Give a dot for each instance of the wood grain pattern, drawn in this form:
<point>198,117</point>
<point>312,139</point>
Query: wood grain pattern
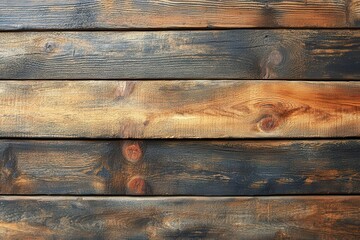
<point>330,217</point>
<point>109,14</point>
<point>153,167</point>
<point>179,109</point>
<point>231,54</point>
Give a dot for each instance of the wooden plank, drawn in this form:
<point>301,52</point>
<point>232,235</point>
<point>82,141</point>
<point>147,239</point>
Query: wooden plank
<point>107,14</point>
<point>154,167</point>
<point>179,109</point>
<point>231,54</point>
<point>315,217</point>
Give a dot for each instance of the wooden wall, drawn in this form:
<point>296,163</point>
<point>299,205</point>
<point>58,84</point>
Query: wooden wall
<point>168,119</point>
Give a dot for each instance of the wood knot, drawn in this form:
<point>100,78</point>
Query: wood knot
<point>132,151</point>
<point>49,47</point>
<point>274,59</point>
<point>136,186</point>
<point>268,123</point>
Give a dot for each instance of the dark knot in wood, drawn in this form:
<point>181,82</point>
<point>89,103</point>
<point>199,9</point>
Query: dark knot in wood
<point>268,123</point>
<point>49,47</point>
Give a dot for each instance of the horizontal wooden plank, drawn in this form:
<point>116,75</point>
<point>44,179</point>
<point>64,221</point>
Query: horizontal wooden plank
<point>155,167</point>
<point>231,54</point>
<point>179,109</point>
<point>105,14</point>
<point>330,217</point>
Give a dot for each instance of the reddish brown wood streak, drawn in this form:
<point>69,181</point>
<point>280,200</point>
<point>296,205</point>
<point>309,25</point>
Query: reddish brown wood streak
<point>180,109</point>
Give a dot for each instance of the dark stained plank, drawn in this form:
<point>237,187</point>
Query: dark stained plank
<point>179,109</point>
<point>231,54</point>
<point>315,217</point>
<point>110,14</point>
<point>153,167</point>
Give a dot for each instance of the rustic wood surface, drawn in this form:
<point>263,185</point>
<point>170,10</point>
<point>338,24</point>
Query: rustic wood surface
<point>328,217</point>
<point>230,98</point>
<point>231,54</point>
<point>155,167</point>
<point>109,14</point>
<point>179,109</point>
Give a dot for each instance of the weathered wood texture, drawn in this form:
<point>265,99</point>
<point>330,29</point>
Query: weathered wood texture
<point>180,167</point>
<point>108,14</point>
<point>232,54</point>
<point>330,217</point>
<point>179,109</point>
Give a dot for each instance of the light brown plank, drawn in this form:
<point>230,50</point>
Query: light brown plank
<point>113,218</point>
<point>177,167</point>
<point>231,54</point>
<point>109,14</point>
<point>179,109</point>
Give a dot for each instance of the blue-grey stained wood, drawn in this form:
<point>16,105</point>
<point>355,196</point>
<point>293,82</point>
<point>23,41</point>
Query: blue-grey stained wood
<point>307,218</point>
<point>232,54</point>
<point>156,167</point>
<point>129,14</point>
